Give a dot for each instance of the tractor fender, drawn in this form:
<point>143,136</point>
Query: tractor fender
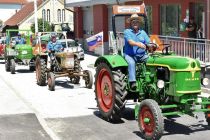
<point>113,60</point>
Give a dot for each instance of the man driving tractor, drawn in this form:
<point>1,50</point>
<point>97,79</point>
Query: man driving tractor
<point>20,39</point>
<point>135,49</point>
<point>54,45</point>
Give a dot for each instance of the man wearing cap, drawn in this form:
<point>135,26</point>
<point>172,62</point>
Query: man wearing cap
<point>54,45</point>
<point>135,49</point>
<point>19,39</point>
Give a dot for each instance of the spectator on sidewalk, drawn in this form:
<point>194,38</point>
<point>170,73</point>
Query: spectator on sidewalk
<point>201,43</point>
<point>191,28</point>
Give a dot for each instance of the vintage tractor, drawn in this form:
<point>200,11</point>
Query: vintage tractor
<point>18,54</point>
<point>61,64</point>
<point>167,84</point>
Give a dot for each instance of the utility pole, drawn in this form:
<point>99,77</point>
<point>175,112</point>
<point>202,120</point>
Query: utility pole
<point>35,16</point>
<point>208,19</point>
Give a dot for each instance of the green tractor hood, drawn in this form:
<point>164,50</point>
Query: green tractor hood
<point>175,63</point>
<point>24,51</point>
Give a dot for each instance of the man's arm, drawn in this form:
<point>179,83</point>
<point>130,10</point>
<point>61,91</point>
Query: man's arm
<point>131,41</point>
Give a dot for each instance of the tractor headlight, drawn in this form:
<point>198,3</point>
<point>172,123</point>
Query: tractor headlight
<point>160,84</point>
<point>205,81</point>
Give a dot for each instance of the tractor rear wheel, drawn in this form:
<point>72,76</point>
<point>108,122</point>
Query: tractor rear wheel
<point>88,79</point>
<point>51,81</point>
<point>41,72</point>
<point>208,116</point>
<point>12,66</point>
<point>7,65</point>
<point>110,92</point>
<point>150,119</point>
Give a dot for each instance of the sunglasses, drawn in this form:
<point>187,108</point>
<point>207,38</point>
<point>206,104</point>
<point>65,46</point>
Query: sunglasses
<point>135,21</point>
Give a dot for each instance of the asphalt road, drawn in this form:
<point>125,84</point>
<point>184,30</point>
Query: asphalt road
<point>28,111</point>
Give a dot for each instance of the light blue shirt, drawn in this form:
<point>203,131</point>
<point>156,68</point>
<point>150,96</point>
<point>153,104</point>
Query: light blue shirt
<point>141,36</point>
<point>57,46</point>
<point>20,40</point>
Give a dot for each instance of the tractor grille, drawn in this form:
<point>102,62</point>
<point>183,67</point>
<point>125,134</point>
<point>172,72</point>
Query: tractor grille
<point>187,82</point>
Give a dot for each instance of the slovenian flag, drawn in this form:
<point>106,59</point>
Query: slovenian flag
<point>95,41</point>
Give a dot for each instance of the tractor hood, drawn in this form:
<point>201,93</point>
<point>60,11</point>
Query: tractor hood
<point>24,51</point>
<point>23,47</point>
<point>174,63</point>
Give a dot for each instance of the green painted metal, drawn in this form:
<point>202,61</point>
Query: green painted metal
<point>182,63</point>
<point>136,111</point>
<point>201,110</point>
<point>24,51</point>
<point>146,120</point>
<point>114,61</point>
<point>168,106</point>
<point>172,113</point>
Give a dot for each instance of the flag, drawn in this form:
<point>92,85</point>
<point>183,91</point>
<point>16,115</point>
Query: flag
<point>95,41</point>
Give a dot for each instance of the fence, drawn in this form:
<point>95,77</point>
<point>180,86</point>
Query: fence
<point>194,48</point>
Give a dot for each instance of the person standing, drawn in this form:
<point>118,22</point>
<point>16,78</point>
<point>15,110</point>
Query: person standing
<point>191,28</point>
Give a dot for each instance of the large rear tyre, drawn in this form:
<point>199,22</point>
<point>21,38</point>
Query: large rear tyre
<point>41,68</point>
<point>7,65</point>
<point>51,81</point>
<point>150,120</point>
<point>110,92</point>
<point>12,66</point>
<point>208,116</point>
<point>88,79</point>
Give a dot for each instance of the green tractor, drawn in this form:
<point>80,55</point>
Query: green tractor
<point>167,85</point>
<point>18,54</point>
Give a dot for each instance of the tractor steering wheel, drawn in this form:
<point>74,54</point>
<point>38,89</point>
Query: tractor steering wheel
<point>151,47</point>
<point>165,48</point>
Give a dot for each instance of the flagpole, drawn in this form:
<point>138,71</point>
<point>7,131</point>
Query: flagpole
<point>103,44</point>
<point>35,16</point>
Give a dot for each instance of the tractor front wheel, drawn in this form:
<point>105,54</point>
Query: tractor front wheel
<point>51,81</point>
<point>12,66</point>
<point>41,72</point>
<point>110,91</point>
<point>7,65</point>
<point>88,79</point>
<point>150,119</point>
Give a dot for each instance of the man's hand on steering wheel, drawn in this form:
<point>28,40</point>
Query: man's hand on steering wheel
<point>151,47</point>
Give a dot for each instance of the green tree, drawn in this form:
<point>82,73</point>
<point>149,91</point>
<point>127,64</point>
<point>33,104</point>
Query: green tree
<point>47,26</point>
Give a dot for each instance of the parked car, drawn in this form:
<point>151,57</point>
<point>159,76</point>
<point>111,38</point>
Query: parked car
<point>74,47</point>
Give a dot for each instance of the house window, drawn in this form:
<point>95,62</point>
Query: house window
<point>59,15</point>
<point>170,19</point>
<point>44,14</point>
<point>48,15</point>
<point>63,15</point>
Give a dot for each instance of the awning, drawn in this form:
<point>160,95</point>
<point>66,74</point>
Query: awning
<point>83,3</point>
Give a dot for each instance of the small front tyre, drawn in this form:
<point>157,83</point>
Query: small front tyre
<point>88,79</point>
<point>51,81</point>
<point>150,120</point>
<point>12,66</point>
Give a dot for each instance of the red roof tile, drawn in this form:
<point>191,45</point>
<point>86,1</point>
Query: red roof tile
<point>21,14</point>
<point>14,1</point>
